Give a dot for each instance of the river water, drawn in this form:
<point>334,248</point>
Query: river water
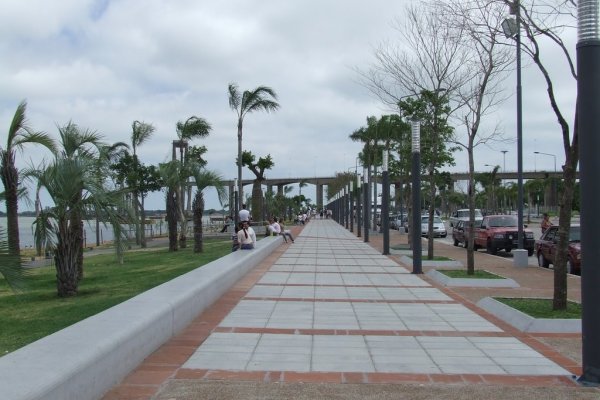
<point>156,228</point>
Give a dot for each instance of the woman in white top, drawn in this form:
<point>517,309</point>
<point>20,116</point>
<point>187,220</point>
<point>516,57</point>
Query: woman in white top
<point>246,236</point>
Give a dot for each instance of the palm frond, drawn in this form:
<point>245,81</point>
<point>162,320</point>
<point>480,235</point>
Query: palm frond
<point>140,132</point>
<point>18,123</point>
<point>234,97</point>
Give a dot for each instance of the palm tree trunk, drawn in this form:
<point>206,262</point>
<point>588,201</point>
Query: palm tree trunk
<point>256,201</point>
<point>10,179</point>
<point>198,208</point>
<point>66,260</point>
<point>142,224</point>
<point>172,219</point>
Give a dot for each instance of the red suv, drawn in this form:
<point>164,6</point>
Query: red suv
<point>545,249</point>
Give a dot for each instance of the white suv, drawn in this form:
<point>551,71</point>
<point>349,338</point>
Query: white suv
<point>463,215</point>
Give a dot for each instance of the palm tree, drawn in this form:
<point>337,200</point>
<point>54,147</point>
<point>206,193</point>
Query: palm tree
<point>19,134</point>
<point>174,175</point>
<point>204,179</point>
<point>258,168</point>
<point>262,98</point>
<point>193,127</point>
<point>140,133</point>
<point>84,145</point>
<point>76,188</point>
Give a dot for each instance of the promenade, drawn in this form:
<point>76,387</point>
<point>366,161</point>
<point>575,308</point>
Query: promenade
<point>330,317</point>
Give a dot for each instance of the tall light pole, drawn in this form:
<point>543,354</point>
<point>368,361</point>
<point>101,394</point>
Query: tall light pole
<point>548,154</point>
<point>588,104</point>
<point>416,196</point>
<point>385,204</point>
<point>366,204</point>
<point>504,159</point>
<point>512,28</point>
<point>351,200</point>
<point>236,215</point>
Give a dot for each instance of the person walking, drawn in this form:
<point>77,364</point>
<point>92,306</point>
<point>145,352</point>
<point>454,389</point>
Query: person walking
<point>246,236</point>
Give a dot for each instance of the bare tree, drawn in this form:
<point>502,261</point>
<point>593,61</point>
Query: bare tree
<point>546,21</point>
<point>428,59</point>
<point>479,22</point>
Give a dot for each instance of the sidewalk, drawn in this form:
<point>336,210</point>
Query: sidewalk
<point>328,313</point>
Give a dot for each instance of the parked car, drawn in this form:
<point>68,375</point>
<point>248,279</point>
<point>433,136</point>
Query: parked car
<point>498,232</point>
<point>459,234</point>
<point>463,215</point>
<point>394,221</point>
<point>439,228</point>
<point>545,248</point>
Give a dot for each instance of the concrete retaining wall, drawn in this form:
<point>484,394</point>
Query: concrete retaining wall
<point>85,360</point>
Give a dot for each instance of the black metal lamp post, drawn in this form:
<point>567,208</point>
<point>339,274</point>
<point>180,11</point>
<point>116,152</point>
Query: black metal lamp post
<point>236,214</point>
<point>512,28</point>
<point>358,205</point>
<point>416,197</point>
<point>588,87</point>
<point>366,205</point>
<point>385,204</point>
<point>351,201</point>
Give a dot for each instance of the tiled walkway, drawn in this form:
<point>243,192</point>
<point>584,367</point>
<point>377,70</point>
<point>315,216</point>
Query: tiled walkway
<point>331,303</point>
<point>330,308</point>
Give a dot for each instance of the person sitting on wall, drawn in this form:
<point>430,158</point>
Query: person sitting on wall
<point>246,236</point>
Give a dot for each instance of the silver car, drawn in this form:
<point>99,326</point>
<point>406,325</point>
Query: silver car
<point>439,228</point>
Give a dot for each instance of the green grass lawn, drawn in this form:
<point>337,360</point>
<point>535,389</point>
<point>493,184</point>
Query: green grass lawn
<point>462,273</point>
<point>38,312</point>
<point>542,308</point>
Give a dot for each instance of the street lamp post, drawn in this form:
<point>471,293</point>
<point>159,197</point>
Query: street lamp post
<point>416,196</point>
<point>366,205</point>
<point>548,154</point>
<point>588,109</point>
<point>351,200</point>
<point>512,28</point>
<point>385,204</point>
<point>358,205</point>
<point>236,215</point>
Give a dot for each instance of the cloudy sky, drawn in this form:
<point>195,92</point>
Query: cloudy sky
<point>105,63</point>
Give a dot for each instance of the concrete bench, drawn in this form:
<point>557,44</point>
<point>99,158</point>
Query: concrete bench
<point>85,360</point>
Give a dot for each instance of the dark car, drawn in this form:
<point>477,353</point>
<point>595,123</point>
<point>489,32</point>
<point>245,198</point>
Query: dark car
<point>459,233</point>
<point>545,249</point>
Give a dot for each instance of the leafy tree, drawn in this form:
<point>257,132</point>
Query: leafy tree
<point>432,110</point>
<point>263,98</point>
<point>258,168</point>
<point>145,178</point>
<point>19,134</point>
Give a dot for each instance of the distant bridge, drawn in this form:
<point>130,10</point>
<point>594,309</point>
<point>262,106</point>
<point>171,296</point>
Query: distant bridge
<point>319,182</point>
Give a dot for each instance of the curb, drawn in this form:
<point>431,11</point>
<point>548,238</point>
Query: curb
<point>471,282</point>
<point>84,360</point>
<point>432,263</point>
<point>526,323</point>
